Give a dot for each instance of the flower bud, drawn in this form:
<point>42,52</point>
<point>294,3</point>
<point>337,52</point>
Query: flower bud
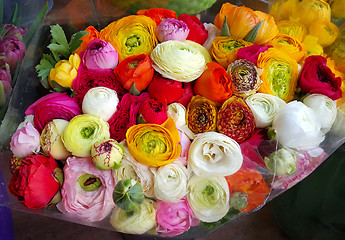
<point>12,49</point>
<point>107,154</point>
<point>281,162</point>
<point>238,200</point>
<point>172,29</point>
<point>128,194</point>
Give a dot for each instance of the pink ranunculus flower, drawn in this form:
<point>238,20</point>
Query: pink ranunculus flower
<point>11,51</point>
<point>87,192</point>
<point>100,55</point>
<point>153,111</point>
<point>185,144</point>
<point>172,29</point>
<point>52,106</point>
<point>174,218</point>
<point>25,141</point>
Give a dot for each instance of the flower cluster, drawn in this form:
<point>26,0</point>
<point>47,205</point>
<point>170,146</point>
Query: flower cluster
<point>160,122</point>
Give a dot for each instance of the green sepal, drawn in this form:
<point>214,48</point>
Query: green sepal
<point>140,119</point>
<point>75,41</point>
<point>58,88</point>
<point>134,91</point>
<point>225,29</point>
<point>251,36</point>
<point>128,194</point>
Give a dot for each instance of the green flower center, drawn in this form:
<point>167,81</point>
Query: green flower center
<point>279,75</point>
<point>231,45</point>
<point>132,42</point>
<point>89,182</point>
<point>87,132</point>
<point>153,144</point>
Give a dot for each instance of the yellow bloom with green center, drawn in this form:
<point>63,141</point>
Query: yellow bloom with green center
<point>325,31</point>
<point>292,28</point>
<point>82,132</point>
<point>279,74</point>
<point>312,46</point>
<point>154,145</point>
<point>224,49</point>
<point>131,35</point>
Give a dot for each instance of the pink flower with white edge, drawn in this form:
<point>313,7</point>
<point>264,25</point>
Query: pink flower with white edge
<point>25,141</point>
<point>172,29</point>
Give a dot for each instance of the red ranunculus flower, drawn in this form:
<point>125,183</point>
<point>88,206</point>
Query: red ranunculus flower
<point>187,95</point>
<point>317,77</point>
<point>135,69</point>
<point>33,183</point>
<point>87,79</point>
<point>153,111</point>
<point>52,106</point>
<point>157,14</point>
<point>197,30</point>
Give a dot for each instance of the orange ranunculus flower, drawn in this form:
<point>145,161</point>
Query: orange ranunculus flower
<point>325,30</point>
<point>281,9</point>
<point>292,28</point>
<point>249,181</point>
<point>92,34</point>
<point>224,49</point>
<point>157,14</point>
<point>280,73</point>
<point>135,69</point>
<point>240,20</point>
<point>289,45</point>
<point>131,35</point>
<point>268,29</point>
<point>154,145</point>
<point>214,83</point>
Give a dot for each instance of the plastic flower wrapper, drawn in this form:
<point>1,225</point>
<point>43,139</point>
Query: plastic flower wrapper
<point>138,221</point>
<point>36,172</point>
<point>214,154</point>
<point>100,55</point>
<point>177,60</point>
<point>131,35</point>
<point>235,119</point>
<point>51,141</point>
<point>177,112</point>
<point>264,108</point>
<point>292,28</point>
<point>170,182</point>
<point>82,132</point>
<point>152,111</point>
<point>281,162</point>
<point>174,218</point>
<point>5,83</point>
<point>107,154</point>
<point>154,145</point>
<point>52,106</point>
<point>172,29</point>
<point>251,53</point>
<point>197,31</point>
<point>279,74</point>
<point>245,77</point>
<point>11,50</point>
<point>201,115</point>
<point>86,191</point>
<point>208,197</point>
<point>128,194</point>
<point>101,102</point>
<point>25,141</point>
<point>157,14</point>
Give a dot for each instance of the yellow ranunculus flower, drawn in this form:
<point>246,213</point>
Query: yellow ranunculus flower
<point>65,71</point>
<point>312,46</point>
<point>281,9</point>
<point>131,35</point>
<point>154,145</point>
<point>338,8</point>
<point>292,28</point>
<point>325,30</point>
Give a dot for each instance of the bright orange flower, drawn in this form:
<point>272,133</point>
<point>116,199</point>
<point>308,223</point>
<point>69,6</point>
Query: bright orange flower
<point>268,29</point>
<point>93,34</point>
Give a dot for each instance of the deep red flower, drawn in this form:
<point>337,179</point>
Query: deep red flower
<point>157,14</point>
<point>197,30</point>
<point>153,111</point>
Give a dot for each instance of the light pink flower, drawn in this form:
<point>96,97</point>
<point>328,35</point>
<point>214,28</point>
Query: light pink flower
<point>172,29</point>
<point>185,144</point>
<point>174,218</point>
<point>88,205</point>
<point>25,141</point>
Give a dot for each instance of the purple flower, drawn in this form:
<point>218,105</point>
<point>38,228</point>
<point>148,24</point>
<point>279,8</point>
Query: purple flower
<point>12,30</point>
<point>100,55</point>
<point>11,50</point>
<point>5,83</point>
<point>172,29</point>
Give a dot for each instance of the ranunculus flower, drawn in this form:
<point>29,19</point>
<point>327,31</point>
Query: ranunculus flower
<point>125,115</point>
<point>11,50</point>
<point>87,192</point>
<point>107,154</point>
<point>214,154</point>
<point>157,14</point>
<point>251,53</point>
<point>177,60</point>
<point>65,71</point>
<point>12,30</point>
<point>154,145</point>
<point>135,70</point>
<point>172,29</point>
<point>25,141</point>
<point>317,77</point>
<point>208,197</point>
<point>296,126</point>
<point>267,30</point>
<point>152,111</point>
<point>177,112</point>
<point>292,28</point>
<point>213,32</point>
<point>185,144</point>
<point>174,218</point>
<point>281,162</point>
<point>214,83</point>
<point>100,55</point>
<point>201,48</point>
<point>82,132</point>
<point>101,102</point>
<point>141,219</point>
<point>33,183</point>
<point>88,79</point>
<point>197,31</point>
<point>51,106</point>
<point>131,35</point>
<point>92,34</point>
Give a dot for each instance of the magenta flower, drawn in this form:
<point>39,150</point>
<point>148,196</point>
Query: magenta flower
<point>251,53</point>
<point>100,55</point>
<point>153,111</point>
<point>172,29</point>
<point>11,50</point>
<point>12,30</point>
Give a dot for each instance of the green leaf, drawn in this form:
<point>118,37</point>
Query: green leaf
<point>43,69</point>
<point>59,88</point>
<point>75,41</point>
<point>14,15</point>
<point>54,47</point>
<point>225,29</point>
<point>251,36</point>
<point>59,35</point>
<point>16,72</point>
<point>1,11</point>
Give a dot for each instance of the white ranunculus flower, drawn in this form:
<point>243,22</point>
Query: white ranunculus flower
<point>177,60</point>
<point>338,128</point>
<point>208,197</point>
<point>325,109</point>
<point>214,154</point>
<point>213,32</point>
<point>139,221</point>
<point>264,108</point>
<point>100,101</point>
<point>281,162</point>
<point>297,126</point>
<point>177,112</point>
<point>170,182</point>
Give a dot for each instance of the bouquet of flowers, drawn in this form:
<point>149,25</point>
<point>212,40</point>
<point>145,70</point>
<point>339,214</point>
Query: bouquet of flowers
<point>159,123</point>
